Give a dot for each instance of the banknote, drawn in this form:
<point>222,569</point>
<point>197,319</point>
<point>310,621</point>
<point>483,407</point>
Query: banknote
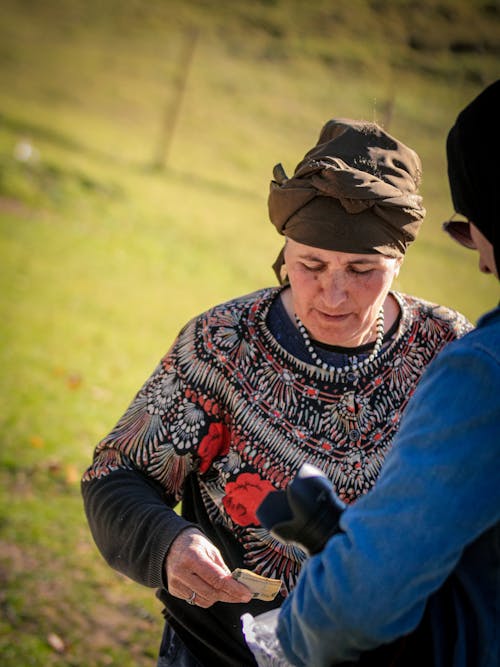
<point>261,587</point>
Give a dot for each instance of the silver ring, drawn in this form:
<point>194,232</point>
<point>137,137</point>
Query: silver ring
<point>191,599</point>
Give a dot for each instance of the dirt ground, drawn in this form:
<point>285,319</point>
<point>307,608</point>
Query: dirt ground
<point>43,621</point>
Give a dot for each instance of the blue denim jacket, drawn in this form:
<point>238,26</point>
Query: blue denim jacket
<point>425,542</point>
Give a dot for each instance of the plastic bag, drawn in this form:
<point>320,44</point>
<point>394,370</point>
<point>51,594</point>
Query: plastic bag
<point>260,636</point>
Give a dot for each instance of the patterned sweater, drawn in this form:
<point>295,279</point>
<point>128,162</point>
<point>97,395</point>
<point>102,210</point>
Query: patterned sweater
<point>228,416</point>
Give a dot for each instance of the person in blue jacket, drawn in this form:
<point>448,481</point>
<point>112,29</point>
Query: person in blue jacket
<point>413,578</point>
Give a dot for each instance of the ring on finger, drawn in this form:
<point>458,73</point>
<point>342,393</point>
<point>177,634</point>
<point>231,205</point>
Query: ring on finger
<point>191,599</point>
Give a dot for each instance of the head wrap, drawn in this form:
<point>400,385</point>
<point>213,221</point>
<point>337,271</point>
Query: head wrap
<point>354,191</point>
<point>473,150</point>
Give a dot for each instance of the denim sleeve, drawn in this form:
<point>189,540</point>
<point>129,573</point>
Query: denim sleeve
<point>438,491</point>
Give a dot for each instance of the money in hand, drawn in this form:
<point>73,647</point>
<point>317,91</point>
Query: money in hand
<point>262,588</point>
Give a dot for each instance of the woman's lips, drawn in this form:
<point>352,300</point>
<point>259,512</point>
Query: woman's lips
<point>334,317</point>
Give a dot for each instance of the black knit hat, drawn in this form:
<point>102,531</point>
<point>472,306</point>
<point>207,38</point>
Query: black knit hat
<point>473,150</point>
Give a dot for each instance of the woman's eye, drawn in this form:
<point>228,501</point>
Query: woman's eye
<point>360,272</point>
<point>312,267</point>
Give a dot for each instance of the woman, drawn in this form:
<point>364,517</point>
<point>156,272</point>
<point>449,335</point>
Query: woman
<point>317,370</point>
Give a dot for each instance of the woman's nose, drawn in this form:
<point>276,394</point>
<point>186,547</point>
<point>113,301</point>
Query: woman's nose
<point>334,290</point>
<point>483,266</point>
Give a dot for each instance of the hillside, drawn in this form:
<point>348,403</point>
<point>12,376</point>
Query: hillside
<point>137,141</point>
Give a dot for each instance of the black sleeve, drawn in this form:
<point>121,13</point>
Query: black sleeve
<point>132,524</point>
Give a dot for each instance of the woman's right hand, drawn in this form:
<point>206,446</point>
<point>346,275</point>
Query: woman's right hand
<point>195,565</point>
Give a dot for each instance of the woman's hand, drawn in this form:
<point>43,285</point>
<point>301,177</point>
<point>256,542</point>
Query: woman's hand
<point>195,565</point>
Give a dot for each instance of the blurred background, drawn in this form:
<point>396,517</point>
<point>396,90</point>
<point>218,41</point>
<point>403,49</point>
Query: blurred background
<point>137,141</point>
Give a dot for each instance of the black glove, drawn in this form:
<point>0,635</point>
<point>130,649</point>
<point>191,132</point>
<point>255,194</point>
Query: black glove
<point>306,513</point>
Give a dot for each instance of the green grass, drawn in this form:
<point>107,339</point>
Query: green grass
<point>104,258</point>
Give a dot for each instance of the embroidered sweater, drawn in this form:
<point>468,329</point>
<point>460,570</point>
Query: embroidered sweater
<point>229,415</point>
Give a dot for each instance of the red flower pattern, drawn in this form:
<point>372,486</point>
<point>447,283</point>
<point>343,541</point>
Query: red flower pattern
<point>244,495</point>
<point>215,443</point>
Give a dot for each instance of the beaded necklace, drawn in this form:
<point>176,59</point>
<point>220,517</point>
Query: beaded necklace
<point>355,365</point>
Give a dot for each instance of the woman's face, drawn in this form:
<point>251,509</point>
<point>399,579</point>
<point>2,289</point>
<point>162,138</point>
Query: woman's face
<point>487,262</point>
<point>338,295</point>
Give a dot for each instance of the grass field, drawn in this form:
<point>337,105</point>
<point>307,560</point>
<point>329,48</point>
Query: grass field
<point>113,234</point>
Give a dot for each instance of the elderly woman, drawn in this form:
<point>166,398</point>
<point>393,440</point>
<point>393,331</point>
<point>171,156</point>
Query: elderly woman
<point>317,370</point>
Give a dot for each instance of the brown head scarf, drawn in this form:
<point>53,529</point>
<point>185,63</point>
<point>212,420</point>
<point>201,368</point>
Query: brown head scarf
<point>355,191</point>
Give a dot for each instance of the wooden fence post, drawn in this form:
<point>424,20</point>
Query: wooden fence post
<point>173,107</point>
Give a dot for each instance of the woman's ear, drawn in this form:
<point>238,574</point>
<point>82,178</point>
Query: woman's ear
<point>283,274</point>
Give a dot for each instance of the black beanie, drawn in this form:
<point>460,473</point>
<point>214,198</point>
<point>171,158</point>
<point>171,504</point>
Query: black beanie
<point>473,150</point>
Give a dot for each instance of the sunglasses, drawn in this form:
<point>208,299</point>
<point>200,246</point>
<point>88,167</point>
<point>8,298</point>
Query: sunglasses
<point>459,229</point>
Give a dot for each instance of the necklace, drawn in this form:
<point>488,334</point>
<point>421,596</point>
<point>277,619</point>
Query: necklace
<point>355,365</point>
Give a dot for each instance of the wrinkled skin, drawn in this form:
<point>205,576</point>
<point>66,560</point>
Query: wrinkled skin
<point>194,564</point>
